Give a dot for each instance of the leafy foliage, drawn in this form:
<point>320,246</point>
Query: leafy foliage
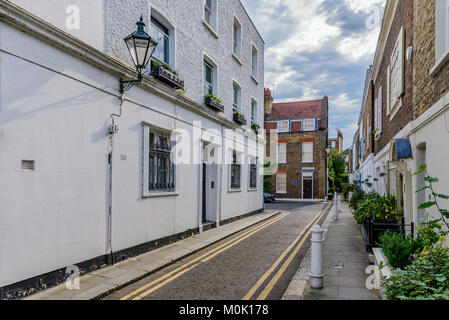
<point>212,96</point>
<point>357,196</point>
<point>266,181</point>
<point>426,278</point>
<point>337,171</point>
<point>376,207</point>
<point>397,248</point>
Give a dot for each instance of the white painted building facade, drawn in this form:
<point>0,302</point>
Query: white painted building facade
<point>71,193</point>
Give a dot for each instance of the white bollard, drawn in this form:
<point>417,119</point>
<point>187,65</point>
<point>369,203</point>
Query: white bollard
<point>316,276</point>
<point>339,203</point>
<point>335,216</point>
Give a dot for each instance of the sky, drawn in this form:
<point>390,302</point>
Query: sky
<point>316,48</point>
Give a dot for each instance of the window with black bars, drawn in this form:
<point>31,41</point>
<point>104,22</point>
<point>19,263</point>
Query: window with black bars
<point>235,172</point>
<point>161,168</point>
<point>253,176</point>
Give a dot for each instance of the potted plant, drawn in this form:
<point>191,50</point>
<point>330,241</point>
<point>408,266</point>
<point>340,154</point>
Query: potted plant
<point>377,214</point>
<point>213,102</point>
<point>166,74</point>
<point>239,118</point>
<point>255,127</point>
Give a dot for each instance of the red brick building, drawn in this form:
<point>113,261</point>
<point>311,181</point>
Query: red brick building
<point>302,137</point>
<point>337,143</point>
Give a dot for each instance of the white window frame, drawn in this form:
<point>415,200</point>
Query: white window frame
<point>304,127</point>
<point>239,163</point>
<point>277,183</point>
<point>238,107</point>
<point>146,192</point>
<point>378,113</point>
<point>396,75</point>
<point>207,59</point>
<point>170,26</point>
<point>252,161</point>
<point>303,152</point>
<point>254,64</point>
<point>213,22</point>
<point>279,126</point>
<point>283,159</point>
<point>237,42</point>
<point>254,107</point>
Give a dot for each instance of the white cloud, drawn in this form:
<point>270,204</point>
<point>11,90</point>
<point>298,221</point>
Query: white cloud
<point>363,46</point>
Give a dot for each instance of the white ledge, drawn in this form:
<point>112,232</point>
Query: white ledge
<point>237,59</point>
<point>439,64</point>
<point>211,30</point>
<point>160,194</point>
<point>254,79</point>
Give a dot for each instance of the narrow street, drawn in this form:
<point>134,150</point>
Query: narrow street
<point>257,263</point>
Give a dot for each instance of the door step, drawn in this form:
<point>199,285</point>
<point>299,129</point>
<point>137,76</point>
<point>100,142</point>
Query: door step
<point>209,225</point>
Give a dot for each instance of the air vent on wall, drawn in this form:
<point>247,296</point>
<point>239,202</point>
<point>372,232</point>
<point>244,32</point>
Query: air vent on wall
<point>28,165</point>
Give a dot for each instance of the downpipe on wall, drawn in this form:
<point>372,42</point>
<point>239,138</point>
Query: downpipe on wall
<point>113,129</point>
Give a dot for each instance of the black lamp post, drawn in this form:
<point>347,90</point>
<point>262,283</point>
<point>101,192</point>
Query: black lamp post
<point>328,151</point>
<point>141,47</point>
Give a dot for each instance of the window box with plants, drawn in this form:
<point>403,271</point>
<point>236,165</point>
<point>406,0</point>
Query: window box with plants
<point>211,101</point>
<point>255,127</point>
<point>239,118</point>
<point>377,214</point>
<point>165,74</point>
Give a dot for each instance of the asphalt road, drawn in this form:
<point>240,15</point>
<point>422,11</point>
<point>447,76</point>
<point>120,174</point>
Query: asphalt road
<point>257,263</point>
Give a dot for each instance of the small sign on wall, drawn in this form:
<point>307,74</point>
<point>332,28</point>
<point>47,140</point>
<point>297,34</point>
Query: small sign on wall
<point>294,182</point>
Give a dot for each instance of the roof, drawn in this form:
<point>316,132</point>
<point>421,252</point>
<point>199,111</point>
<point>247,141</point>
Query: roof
<point>296,110</point>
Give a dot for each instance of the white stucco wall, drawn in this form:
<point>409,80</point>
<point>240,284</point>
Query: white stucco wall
<point>55,110</point>
<point>193,39</point>
<point>83,19</point>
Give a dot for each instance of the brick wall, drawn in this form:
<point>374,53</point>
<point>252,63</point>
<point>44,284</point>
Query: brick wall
<point>368,121</point>
<point>294,163</point>
<point>427,89</point>
<point>403,18</point>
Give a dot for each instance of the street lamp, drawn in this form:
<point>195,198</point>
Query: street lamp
<point>141,47</point>
<point>328,151</point>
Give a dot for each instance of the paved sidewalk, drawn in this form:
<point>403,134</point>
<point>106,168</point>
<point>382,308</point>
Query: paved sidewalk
<point>101,282</point>
<point>344,263</point>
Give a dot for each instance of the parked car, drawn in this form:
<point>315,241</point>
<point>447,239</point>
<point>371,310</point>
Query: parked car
<point>269,197</point>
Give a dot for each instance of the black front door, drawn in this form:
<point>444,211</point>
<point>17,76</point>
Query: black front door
<point>204,192</point>
<point>307,188</point>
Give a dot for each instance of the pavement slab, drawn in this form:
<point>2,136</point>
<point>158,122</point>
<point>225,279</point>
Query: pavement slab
<point>344,263</point>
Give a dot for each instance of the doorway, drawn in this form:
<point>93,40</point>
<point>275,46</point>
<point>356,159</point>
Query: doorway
<point>204,193</point>
<point>209,187</point>
<point>307,187</point>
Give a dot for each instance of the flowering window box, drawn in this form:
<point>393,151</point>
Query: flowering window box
<point>255,127</point>
<point>214,104</point>
<point>239,118</point>
<point>167,76</point>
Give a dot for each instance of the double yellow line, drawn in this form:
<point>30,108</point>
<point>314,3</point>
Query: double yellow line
<point>176,273</point>
<point>266,291</point>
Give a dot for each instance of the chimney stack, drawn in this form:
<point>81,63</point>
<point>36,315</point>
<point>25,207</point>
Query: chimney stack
<point>268,102</point>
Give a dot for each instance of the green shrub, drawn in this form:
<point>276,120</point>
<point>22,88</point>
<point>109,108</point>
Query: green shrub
<point>426,278</point>
<point>397,248</point>
<point>356,198</point>
<point>374,206</point>
<point>428,234</point>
